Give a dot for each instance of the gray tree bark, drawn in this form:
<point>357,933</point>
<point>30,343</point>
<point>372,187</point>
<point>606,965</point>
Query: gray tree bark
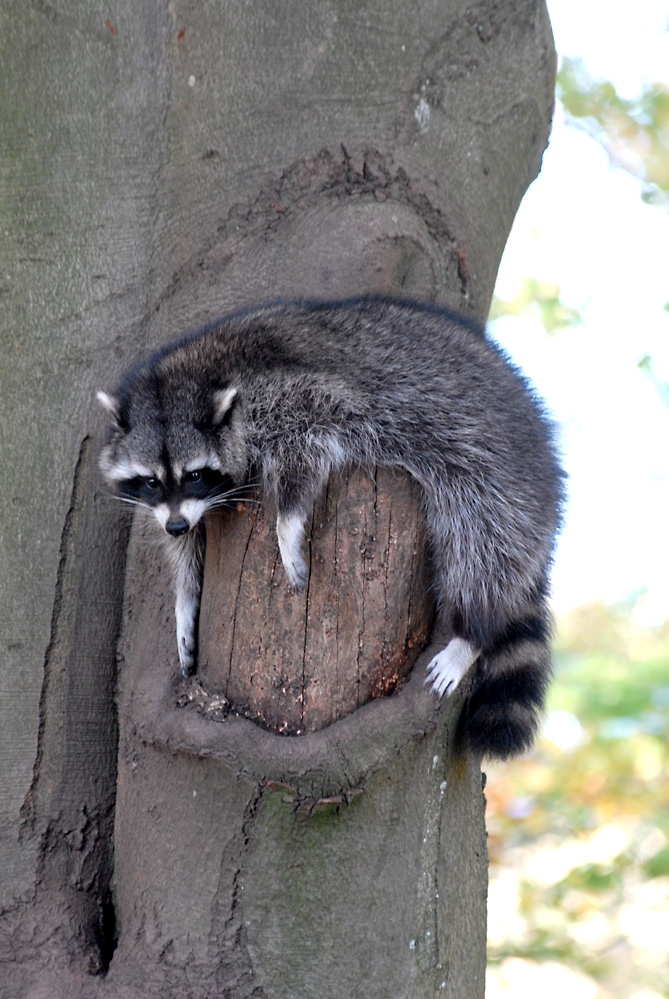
<point>161,163</point>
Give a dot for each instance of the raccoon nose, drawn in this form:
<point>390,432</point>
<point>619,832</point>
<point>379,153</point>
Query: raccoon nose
<point>177,527</point>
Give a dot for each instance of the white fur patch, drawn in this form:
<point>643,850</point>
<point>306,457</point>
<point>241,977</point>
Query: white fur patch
<point>185,611</point>
<point>450,665</point>
<point>290,532</point>
<point>203,460</point>
<point>185,556</point>
<point>130,470</point>
<point>162,513</point>
<point>223,399</point>
<point>109,404</point>
<point>192,510</point>
<point>335,450</point>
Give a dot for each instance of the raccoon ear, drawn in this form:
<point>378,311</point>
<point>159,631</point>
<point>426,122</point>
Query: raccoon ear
<point>223,400</point>
<point>111,405</point>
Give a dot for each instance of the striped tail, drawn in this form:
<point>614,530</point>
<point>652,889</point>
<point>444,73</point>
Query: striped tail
<point>503,713</point>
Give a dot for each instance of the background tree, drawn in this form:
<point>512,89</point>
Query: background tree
<point>162,163</point>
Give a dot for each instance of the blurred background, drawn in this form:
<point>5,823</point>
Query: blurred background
<point>579,830</point>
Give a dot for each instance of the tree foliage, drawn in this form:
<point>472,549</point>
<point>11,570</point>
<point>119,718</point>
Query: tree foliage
<point>633,131</point>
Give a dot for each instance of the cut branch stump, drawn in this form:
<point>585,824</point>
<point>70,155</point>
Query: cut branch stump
<point>293,662</point>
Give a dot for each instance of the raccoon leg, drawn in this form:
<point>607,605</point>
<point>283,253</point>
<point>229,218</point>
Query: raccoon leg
<point>185,554</point>
<point>295,486</point>
<point>290,532</point>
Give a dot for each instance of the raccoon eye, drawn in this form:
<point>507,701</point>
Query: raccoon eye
<point>194,476</point>
<point>152,482</point>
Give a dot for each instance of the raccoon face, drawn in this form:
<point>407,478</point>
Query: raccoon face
<point>178,501</point>
<point>170,466</point>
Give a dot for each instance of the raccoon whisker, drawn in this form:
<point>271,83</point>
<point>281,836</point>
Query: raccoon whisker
<point>232,494</point>
<point>128,499</point>
<point>235,493</point>
<point>112,494</point>
<point>242,487</point>
<point>248,495</point>
<point>228,500</point>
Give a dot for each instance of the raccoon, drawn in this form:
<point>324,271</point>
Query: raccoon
<point>289,393</point>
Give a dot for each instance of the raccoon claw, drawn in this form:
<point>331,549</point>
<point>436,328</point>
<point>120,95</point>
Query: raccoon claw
<point>187,668</point>
<point>441,679</point>
<point>450,665</point>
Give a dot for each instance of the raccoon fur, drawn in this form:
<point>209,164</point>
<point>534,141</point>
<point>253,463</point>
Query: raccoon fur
<point>293,391</point>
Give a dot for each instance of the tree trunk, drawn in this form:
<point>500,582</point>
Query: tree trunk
<point>161,163</point>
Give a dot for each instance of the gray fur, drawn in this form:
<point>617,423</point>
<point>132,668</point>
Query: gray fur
<point>296,390</point>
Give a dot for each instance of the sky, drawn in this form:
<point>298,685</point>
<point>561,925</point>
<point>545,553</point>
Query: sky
<point>583,225</point>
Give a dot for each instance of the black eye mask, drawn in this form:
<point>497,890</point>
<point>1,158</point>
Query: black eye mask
<point>202,482</point>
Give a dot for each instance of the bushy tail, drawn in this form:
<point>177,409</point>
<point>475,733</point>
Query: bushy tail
<point>503,713</point>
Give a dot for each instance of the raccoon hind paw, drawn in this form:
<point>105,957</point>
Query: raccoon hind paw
<point>450,665</point>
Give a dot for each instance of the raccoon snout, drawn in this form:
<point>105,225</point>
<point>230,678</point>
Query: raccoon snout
<point>177,527</point>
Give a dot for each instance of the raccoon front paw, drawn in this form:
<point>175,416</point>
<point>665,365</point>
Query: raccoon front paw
<point>290,532</point>
<point>450,665</point>
<point>297,572</point>
<point>186,637</point>
<point>186,656</point>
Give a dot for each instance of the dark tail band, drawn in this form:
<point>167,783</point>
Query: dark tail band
<point>503,714</point>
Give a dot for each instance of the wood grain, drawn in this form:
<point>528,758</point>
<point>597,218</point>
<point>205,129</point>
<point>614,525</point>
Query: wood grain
<point>298,662</point>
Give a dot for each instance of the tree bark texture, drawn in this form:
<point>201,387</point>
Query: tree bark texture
<point>161,163</point>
